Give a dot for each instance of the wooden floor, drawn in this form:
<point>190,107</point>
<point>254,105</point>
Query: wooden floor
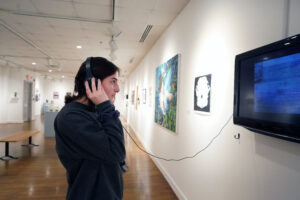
<point>38,174</point>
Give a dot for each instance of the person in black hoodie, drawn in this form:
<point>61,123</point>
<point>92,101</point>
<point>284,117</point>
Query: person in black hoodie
<point>89,135</point>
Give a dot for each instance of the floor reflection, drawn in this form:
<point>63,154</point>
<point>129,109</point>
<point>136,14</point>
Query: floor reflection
<point>38,174</point>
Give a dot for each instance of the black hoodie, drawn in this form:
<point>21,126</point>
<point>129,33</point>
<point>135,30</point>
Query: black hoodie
<point>91,151</point>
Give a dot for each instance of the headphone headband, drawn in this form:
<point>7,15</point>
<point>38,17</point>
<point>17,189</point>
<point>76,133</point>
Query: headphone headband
<point>88,70</point>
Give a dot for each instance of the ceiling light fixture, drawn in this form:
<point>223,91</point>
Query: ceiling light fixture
<point>113,45</point>
<point>112,56</point>
<point>50,70</point>
<point>114,30</point>
<point>50,62</point>
<point>34,63</point>
<point>78,46</point>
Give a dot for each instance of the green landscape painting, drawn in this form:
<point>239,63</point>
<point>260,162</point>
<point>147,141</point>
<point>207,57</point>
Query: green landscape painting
<point>166,93</point>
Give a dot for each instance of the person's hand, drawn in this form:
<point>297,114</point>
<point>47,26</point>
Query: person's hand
<point>97,95</point>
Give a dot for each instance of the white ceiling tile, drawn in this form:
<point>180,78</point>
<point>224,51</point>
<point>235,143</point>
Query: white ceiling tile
<point>161,18</point>
<point>64,23</point>
<point>95,2</point>
<point>131,27</point>
<point>31,20</point>
<point>26,5</point>
<point>131,15</point>
<point>97,27</point>
<point>17,5</point>
<point>94,11</point>
<point>137,4</point>
<point>177,6</point>
<point>9,4</point>
<point>54,7</point>
<point>59,37</point>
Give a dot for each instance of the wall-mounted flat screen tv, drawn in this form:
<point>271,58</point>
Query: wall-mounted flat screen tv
<point>267,89</point>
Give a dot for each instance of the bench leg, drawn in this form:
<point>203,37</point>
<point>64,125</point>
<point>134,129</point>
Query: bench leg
<point>7,153</point>
<point>30,143</point>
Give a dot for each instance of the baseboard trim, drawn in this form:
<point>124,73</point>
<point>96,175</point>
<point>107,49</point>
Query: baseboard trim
<point>12,122</point>
<point>169,178</point>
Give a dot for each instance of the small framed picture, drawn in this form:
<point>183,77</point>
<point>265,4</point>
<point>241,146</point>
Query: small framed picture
<point>202,91</point>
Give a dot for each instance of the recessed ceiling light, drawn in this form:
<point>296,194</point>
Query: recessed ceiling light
<point>78,46</point>
<point>50,70</point>
<point>34,63</point>
<point>63,76</point>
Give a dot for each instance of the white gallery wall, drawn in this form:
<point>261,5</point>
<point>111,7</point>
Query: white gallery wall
<point>208,35</point>
<point>61,86</point>
<point>12,80</point>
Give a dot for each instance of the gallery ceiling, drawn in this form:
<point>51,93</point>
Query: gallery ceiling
<point>54,37</point>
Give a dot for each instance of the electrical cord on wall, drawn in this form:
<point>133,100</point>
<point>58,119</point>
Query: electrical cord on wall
<point>183,158</point>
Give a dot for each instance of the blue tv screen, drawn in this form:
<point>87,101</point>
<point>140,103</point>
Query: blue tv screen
<point>277,85</point>
<point>267,89</point>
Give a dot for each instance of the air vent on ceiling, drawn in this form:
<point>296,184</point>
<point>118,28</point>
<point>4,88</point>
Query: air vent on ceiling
<point>146,33</point>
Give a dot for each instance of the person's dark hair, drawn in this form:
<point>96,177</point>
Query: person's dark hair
<point>100,67</point>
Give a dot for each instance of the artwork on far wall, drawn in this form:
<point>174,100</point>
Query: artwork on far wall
<point>166,93</point>
<point>137,98</point>
<point>202,91</point>
<point>144,93</point>
<point>55,95</point>
<point>132,97</point>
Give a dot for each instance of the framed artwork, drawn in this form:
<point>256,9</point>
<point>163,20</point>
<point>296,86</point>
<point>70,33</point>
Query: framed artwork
<point>202,91</point>
<point>137,99</point>
<point>55,95</point>
<point>144,92</point>
<point>132,97</point>
<point>166,93</point>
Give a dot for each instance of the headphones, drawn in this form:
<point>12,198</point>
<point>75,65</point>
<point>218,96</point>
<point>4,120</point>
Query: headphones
<point>89,75</point>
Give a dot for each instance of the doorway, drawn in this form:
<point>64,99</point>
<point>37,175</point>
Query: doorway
<point>27,102</point>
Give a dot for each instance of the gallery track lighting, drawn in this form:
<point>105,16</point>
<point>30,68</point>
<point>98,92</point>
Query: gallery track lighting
<point>112,56</point>
<point>114,30</point>
<point>50,62</point>
<point>113,45</point>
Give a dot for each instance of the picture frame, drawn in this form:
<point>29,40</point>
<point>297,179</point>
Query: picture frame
<point>202,93</point>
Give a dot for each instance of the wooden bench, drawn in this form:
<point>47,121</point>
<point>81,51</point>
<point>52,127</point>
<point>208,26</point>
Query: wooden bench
<point>17,137</point>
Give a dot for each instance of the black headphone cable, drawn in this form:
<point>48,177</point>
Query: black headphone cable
<point>183,158</point>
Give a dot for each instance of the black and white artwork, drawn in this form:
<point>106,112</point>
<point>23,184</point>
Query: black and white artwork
<point>202,91</point>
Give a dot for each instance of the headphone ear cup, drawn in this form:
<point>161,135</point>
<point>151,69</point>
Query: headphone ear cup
<point>89,75</point>
<point>90,83</point>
